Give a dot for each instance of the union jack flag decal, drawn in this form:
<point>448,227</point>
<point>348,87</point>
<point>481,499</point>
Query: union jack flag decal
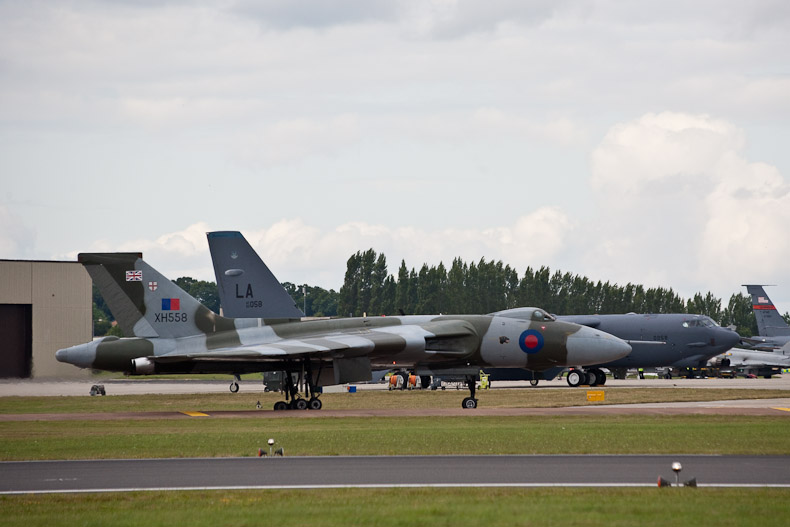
<point>134,276</point>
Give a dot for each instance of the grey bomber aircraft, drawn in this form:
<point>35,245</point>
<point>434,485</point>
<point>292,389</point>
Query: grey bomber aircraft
<point>171,332</point>
<point>657,340</point>
<point>772,328</point>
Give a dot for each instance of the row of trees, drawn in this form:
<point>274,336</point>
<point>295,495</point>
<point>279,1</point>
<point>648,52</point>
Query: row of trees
<point>487,286</point>
<point>477,287</point>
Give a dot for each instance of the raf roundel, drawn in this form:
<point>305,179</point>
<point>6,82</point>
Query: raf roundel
<point>530,341</point>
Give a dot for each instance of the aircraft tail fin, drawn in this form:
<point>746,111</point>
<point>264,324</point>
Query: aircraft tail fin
<point>144,302</point>
<point>769,322</point>
<point>247,288</point>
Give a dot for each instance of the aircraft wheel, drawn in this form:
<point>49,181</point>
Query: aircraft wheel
<point>299,404</point>
<point>533,382</point>
<point>576,378</point>
<point>314,403</point>
<point>234,387</point>
<point>595,377</point>
<point>468,402</point>
<point>280,405</point>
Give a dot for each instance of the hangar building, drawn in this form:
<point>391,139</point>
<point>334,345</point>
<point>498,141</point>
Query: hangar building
<point>44,306</point>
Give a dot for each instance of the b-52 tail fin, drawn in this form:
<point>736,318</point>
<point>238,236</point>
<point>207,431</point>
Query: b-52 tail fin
<point>769,322</point>
<point>144,302</point>
<point>247,288</point>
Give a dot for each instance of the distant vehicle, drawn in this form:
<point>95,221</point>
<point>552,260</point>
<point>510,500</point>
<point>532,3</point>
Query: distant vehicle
<point>772,328</point>
<point>661,340</point>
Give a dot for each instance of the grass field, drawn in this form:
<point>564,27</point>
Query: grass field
<point>382,399</point>
<point>401,507</point>
<point>208,437</point>
<point>212,437</point>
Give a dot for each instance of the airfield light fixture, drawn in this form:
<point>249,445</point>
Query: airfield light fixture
<point>676,468</point>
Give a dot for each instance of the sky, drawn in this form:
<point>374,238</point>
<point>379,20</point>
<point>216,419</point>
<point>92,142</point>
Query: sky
<point>644,142</point>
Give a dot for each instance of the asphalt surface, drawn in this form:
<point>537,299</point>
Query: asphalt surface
<point>388,471</point>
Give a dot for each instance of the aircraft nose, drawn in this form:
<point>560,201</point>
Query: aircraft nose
<point>81,355</point>
<point>727,338</point>
<point>590,346</point>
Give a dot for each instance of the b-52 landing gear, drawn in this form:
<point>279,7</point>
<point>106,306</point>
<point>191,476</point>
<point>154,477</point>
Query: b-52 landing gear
<point>470,402</point>
<point>234,386</point>
<point>591,377</point>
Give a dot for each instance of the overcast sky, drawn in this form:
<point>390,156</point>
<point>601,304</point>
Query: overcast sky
<point>644,142</point>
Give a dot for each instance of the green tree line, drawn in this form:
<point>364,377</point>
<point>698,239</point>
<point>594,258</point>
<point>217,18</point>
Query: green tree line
<point>483,286</point>
<point>486,286</point>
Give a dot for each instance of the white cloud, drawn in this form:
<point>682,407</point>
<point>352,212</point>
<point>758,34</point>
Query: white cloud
<point>302,253</point>
<point>681,205</point>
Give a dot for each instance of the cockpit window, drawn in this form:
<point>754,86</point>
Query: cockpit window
<point>541,316</point>
<point>701,322</point>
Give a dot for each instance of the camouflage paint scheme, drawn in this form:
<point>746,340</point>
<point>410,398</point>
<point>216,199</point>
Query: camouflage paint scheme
<point>174,333</point>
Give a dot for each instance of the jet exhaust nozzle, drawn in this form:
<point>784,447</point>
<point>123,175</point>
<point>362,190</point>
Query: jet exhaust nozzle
<point>143,366</point>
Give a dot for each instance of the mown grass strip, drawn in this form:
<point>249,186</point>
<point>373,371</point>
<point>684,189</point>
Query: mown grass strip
<point>206,437</point>
<point>405,507</point>
<point>365,399</point>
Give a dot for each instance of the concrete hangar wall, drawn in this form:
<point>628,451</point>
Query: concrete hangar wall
<point>44,306</point>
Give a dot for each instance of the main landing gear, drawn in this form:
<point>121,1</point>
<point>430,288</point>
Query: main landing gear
<point>470,402</point>
<point>293,399</point>
<point>591,377</point>
<point>234,386</point>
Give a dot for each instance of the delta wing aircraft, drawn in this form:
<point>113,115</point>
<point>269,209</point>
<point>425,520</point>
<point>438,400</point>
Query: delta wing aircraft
<point>171,332</point>
<point>760,363</point>
<point>673,340</point>
<point>772,328</point>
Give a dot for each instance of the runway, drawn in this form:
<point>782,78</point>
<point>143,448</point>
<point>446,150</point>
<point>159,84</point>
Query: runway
<point>387,471</point>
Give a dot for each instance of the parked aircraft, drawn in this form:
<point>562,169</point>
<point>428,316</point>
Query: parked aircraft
<point>760,363</point>
<point>772,328</point>
<point>659,340</point>
<point>171,332</point>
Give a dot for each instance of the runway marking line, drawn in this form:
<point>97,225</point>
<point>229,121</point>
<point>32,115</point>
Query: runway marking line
<point>385,486</point>
<point>195,414</point>
<point>782,409</point>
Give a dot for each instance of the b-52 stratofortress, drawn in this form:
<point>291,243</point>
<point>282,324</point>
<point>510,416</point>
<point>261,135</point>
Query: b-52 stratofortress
<point>171,332</point>
<point>773,331</point>
<point>673,340</point>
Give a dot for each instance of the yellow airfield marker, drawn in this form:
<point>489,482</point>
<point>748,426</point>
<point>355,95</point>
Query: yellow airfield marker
<point>782,409</point>
<point>595,395</point>
<point>195,414</point>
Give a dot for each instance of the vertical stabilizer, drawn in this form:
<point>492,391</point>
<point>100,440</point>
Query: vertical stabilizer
<point>769,322</point>
<point>144,302</point>
<point>247,288</point>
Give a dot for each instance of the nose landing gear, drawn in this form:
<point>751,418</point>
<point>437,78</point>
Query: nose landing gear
<point>470,402</point>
